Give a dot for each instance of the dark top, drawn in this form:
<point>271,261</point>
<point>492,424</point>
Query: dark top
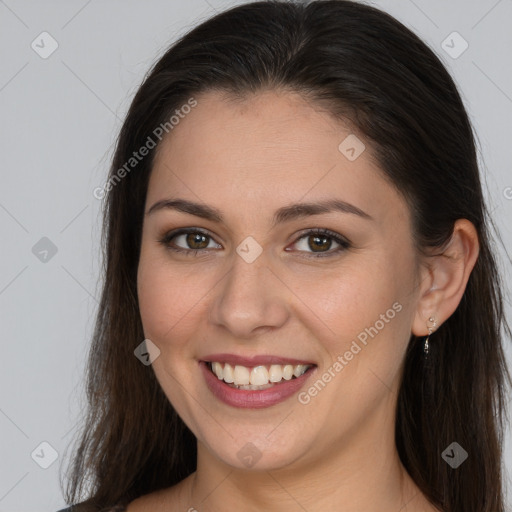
<point>117,508</point>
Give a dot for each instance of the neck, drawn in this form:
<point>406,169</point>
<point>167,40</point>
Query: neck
<point>361,473</point>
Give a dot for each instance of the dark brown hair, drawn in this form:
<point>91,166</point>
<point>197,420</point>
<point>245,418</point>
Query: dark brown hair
<point>375,73</point>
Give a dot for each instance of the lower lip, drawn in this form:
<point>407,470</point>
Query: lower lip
<point>253,399</point>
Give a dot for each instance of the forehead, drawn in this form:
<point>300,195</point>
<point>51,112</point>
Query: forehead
<point>263,151</point>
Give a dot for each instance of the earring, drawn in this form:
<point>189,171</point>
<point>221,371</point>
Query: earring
<point>431,328</point>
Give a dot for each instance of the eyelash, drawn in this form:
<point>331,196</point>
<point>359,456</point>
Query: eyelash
<point>344,243</point>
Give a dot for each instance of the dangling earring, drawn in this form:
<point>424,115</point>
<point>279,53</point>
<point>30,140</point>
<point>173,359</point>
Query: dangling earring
<point>431,328</point>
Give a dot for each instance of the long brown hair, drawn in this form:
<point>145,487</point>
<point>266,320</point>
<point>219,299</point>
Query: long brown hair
<point>371,70</point>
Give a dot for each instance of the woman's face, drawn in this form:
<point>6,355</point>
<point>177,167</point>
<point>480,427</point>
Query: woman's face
<point>258,284</point>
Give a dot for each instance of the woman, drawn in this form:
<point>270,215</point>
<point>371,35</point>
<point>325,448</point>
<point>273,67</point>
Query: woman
<point>301,309</point>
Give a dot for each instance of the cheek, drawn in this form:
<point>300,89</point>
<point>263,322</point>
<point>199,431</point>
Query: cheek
<point>369,316</point>
<point>352,297</point>
<point>168,304</point>
<point>166,298</point>
<point>368,311</point>
<point>157,303</point>
<point>174,302</point>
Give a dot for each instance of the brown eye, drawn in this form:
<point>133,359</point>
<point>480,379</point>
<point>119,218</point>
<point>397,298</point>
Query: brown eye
<point>196,240</point>
<point>188,241</point>
<point>318,243</point>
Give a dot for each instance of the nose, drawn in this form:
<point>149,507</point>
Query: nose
<point>249,299</point>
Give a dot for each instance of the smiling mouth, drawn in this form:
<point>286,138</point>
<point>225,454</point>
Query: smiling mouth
<point>256,378</point>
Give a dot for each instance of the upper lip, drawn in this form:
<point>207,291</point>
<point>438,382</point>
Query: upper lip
<point>234,360</point>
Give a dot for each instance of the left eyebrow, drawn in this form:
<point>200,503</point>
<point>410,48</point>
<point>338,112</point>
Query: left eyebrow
<point>284,214</point>
<point>300,210</point>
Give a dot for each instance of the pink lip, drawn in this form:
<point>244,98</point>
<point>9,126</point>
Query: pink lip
<point>250,362</point>
<point>247,399</point>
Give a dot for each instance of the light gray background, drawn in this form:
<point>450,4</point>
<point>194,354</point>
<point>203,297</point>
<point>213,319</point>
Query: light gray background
<point>59,119</point>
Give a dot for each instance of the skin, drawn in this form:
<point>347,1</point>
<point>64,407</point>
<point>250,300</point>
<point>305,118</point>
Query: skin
<point>248,158</point>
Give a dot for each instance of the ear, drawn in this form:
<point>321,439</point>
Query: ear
<point>445,277</point>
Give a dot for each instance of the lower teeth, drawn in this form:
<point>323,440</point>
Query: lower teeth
<point>251,387</point>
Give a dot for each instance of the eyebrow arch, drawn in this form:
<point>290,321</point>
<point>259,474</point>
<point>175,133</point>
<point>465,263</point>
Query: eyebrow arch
<point>284,214</point>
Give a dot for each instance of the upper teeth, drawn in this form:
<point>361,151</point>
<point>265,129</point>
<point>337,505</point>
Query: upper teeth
<point>259,375</point>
